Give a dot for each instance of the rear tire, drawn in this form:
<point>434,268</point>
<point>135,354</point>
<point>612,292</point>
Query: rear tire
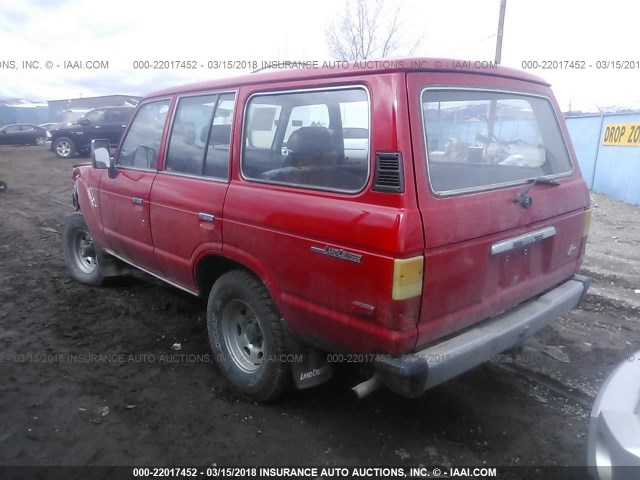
<point>64,147</point>
<point>247,336</point>
<point>80,254</point>
<point>40,141</point>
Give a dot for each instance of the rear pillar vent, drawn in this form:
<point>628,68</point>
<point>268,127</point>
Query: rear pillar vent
<point>388,176</point>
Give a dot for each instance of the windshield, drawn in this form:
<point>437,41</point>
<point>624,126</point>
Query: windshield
<point>478,140</point>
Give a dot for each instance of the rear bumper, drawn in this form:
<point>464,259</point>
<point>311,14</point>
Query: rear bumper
<point>413,374</point>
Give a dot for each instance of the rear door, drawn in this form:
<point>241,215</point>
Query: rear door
<point>493,239</point>
<point>188,194</point>
<point>113,125</point>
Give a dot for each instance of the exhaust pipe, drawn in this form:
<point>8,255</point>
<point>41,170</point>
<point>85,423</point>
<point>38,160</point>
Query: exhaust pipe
<point>367,387</point>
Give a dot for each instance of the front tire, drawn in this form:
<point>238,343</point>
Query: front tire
<point>64,147</point>
<point>80,254</point>
<point>247,336</point>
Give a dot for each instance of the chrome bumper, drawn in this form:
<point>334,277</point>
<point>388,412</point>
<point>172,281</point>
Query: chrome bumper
<point>413,374</point>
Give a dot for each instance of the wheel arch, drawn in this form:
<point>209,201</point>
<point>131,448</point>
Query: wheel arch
<point>211,265</point>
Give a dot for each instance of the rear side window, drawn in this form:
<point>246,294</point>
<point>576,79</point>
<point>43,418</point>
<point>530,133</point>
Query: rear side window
<point>200,136</point>
<point>140,146</point>
<point>300,139</point>
<point>478,140</point>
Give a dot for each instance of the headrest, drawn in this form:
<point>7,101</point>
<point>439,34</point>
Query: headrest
<point>310,140</point>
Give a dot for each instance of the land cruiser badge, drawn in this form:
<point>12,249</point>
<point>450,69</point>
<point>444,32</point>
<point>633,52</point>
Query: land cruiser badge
<point>338,253</point>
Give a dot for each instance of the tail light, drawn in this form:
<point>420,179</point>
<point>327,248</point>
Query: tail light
<point>406,292</point>
<point>586,224</point>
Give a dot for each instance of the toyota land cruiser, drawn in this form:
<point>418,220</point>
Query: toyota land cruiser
<point>451,230</point>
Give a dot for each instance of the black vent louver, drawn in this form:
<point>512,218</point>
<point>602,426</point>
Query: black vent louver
<point>388,176</point>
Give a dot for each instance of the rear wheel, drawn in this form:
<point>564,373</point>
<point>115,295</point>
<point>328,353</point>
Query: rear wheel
<point>40,141</point>
<point>80,254</point>
<point>247,336</point>
<point>64,147</point>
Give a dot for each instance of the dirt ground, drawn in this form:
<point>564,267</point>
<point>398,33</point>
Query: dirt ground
<point>88,376</point>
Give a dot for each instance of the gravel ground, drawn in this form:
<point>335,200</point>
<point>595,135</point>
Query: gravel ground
<point>89,376</point>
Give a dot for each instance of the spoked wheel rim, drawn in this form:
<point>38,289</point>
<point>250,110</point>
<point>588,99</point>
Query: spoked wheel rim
<point>84,251</point>
<point>63,148</point>
<point>40,141</point>
<point>242,336</point>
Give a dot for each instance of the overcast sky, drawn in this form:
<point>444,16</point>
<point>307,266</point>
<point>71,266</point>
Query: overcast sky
<point>122,31</point>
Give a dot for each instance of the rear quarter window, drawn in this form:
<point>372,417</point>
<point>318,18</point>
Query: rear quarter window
<point>478,140</point>
<point>305,139</point>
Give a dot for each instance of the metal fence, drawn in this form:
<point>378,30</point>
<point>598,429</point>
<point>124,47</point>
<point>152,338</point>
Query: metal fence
<point>608,150</point>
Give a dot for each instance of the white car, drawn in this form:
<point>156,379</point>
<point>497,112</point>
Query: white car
<point>614,428</point>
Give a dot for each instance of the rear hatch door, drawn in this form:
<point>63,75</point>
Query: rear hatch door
<point>502,202</point>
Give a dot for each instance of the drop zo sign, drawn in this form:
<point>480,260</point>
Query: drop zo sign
<point>622,134</point>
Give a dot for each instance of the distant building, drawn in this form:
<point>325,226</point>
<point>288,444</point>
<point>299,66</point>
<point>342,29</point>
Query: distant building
<point>23,111</point>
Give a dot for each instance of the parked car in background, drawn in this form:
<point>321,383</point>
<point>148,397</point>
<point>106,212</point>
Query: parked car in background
<point>104,123</point>
<point>356,144</point>
<point>23,134</point>
<point>613,451</point>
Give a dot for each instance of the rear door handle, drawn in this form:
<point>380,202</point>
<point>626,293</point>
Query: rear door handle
<point>137,201</point>
<point>206,217</point>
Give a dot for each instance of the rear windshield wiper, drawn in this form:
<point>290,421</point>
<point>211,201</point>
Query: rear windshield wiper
<point>525,200</point>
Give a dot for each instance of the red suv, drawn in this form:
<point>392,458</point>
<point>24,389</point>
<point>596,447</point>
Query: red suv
<point>449,229</point>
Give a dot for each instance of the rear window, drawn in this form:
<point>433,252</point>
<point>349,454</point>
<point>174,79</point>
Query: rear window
<point>477,140</point>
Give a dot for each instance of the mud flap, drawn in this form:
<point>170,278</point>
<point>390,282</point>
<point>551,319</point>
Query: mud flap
<point>309,367</point>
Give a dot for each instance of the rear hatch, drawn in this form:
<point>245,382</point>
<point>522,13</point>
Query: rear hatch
<point>502,201</point>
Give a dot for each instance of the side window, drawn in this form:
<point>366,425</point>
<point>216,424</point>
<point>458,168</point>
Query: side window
<point>189,134</point>
<point>217,156</point>
<point>13,129</point>
<point>300,139</point>
<point>111,116</point>
<point>95,116</point>
<point>142,143</point>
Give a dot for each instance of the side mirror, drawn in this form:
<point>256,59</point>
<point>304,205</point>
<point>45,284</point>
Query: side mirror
<point>101,157</point>
<point>83,121</point>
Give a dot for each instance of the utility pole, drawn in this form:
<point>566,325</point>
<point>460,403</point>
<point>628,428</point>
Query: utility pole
<point>503,7</point>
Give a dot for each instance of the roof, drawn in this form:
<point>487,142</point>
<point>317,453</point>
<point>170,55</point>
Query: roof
<point>99,97</point>
<point>319,69</point>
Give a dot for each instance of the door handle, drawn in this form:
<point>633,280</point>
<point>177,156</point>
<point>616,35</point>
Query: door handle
<point>137,201</point>
<point>206,217</point>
